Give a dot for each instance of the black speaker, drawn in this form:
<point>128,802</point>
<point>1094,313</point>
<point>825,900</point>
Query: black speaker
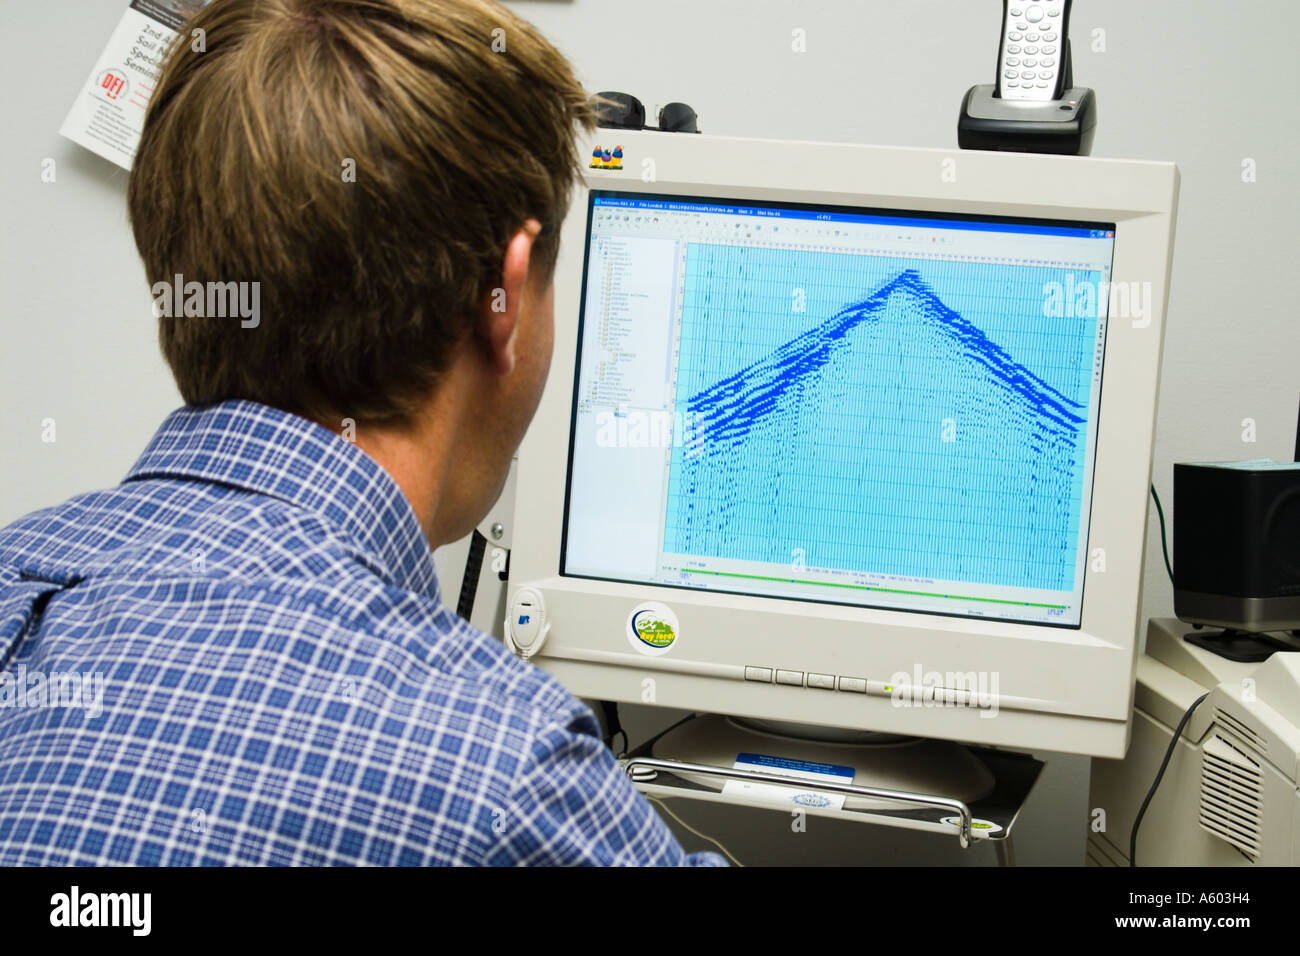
<point>1237,547</point>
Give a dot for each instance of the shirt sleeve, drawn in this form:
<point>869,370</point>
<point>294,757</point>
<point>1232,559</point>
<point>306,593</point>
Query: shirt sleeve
<point>573,806</point>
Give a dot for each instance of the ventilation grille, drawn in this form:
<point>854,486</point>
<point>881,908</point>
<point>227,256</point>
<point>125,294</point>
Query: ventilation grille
<point>1242,730</point>
<point>1231,794</point>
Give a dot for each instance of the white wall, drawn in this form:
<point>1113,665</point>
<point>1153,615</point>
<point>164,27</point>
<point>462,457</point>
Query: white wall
<point>1204,83</point>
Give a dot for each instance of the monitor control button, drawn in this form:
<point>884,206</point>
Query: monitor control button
<point>761,674</point>
<point>853,685</point>
<point>822,681</point>
<point>793,678</point>
<point>951,696</point>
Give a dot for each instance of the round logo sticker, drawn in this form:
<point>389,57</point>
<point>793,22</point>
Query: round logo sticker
<point>652,628</point>
<point>812,799</point>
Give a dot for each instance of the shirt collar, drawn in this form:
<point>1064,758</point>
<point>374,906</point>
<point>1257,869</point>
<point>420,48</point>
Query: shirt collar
<point>272,452</point>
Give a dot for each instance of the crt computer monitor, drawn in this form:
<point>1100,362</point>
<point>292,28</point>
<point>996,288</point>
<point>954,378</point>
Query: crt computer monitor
<point>850,436</point>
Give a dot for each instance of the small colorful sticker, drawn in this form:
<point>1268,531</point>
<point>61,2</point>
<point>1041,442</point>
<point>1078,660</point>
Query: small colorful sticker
<point>607,158</point>
<point>986,827</point>
<point>652,628</point>
<point>812,799</point>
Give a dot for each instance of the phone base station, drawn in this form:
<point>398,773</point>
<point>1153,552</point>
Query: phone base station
<point>1064,126</point>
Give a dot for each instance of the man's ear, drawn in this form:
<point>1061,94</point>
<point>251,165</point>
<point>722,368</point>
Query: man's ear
<point>500,309</point>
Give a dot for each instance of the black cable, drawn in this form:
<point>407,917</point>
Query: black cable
<point>1164,542</point>
<point>1297,438</point>
<point>469,583</point>
<point>613,725</point>
<point>646,748</point>
<point>1133,838</point>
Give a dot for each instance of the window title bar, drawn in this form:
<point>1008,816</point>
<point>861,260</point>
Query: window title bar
<point>794,212</point>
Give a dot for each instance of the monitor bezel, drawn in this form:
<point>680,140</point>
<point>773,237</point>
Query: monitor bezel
<point>1062,689</point>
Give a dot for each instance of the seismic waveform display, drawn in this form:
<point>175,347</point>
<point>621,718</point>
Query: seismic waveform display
<point>894,437</point>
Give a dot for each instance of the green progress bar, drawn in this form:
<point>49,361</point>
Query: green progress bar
<point>868,587</point>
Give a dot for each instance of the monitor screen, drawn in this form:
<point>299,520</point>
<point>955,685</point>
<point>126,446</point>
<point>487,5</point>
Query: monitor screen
<point>872,407</point>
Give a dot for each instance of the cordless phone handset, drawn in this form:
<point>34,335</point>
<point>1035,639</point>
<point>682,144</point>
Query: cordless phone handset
<point>1032,60</point>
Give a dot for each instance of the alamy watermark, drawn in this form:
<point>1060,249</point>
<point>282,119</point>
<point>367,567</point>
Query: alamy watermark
<point>945,689</point>
<point>23,688</point>
<point>650,429</point>
<point>1085,299</point>
<point>74,908</point>
<point>213,300</point>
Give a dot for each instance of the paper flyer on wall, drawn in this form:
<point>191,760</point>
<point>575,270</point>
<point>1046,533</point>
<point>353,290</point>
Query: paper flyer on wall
<point>108,114</point>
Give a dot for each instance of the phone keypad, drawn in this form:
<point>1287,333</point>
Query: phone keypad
<point>1031,68</point>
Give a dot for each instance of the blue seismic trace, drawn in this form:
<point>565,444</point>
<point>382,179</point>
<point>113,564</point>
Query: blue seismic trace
<point>895,437</point>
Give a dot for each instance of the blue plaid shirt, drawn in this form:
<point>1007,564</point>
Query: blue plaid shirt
<point>240,656</point>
